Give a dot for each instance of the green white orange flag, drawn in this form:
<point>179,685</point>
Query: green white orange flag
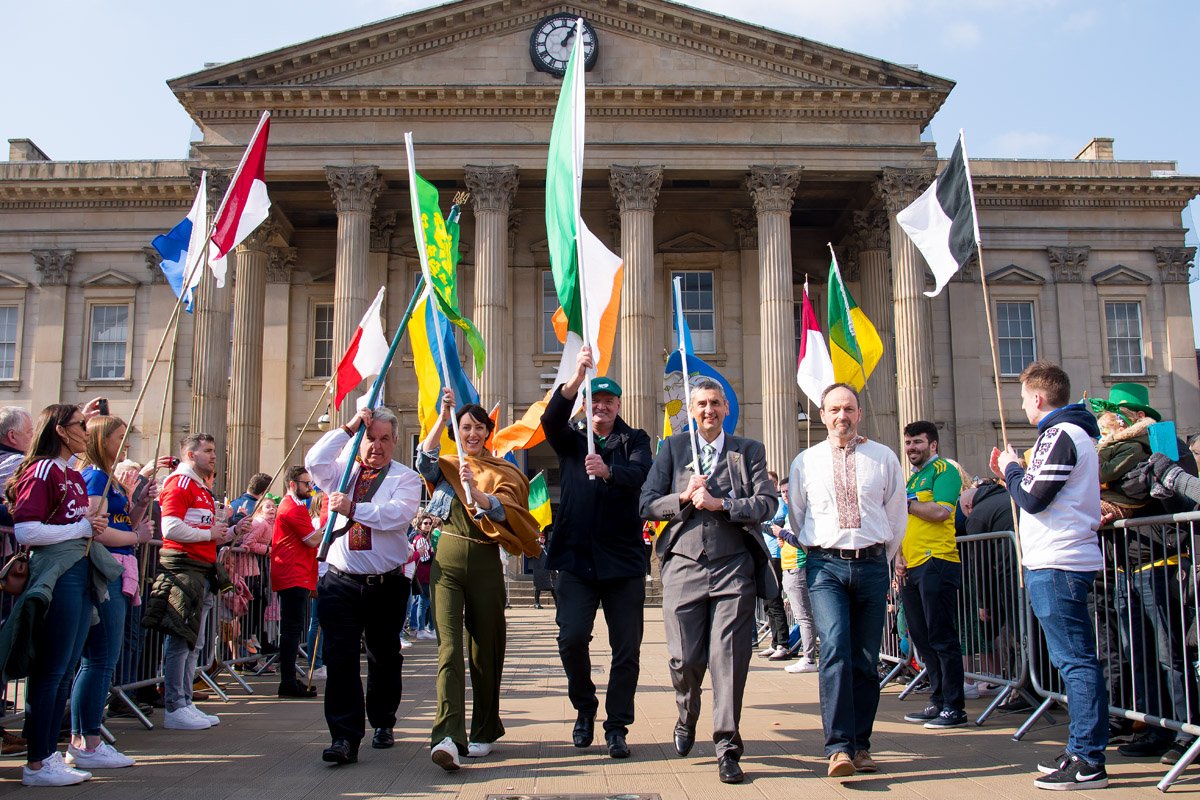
<point>587,276</point>
<point>854,345</point>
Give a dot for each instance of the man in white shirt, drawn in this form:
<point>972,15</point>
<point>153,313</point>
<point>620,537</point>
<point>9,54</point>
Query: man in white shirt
<point>364,591</point>
<point>848,511</point>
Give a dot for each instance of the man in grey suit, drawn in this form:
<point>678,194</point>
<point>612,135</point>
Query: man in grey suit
<point>712,562</point>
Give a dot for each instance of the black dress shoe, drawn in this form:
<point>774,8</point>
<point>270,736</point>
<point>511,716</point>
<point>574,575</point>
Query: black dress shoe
<point>728,769</point>
<point>585,729</point>
<point>297,691</point>
<point>617,747</point>
<point>383,739</point>
<point>685,737</point>
<point>342,751</point>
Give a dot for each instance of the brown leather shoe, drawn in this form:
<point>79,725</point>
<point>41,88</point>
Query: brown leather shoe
<point>840,766</point>
<point>864,763</point>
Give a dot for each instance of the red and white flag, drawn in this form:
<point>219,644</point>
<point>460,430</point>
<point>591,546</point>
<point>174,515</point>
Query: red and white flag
<point>814,367</point>
<point>245,205</point>
<point>365,355</point>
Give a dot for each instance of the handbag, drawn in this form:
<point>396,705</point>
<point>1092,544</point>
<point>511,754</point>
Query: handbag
<point>14,575</point>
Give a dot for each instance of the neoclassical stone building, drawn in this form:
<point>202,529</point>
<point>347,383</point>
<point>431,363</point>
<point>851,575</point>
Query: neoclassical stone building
<point>718,150</point>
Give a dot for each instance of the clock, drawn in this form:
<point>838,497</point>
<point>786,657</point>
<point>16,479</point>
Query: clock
<point>551,42</point>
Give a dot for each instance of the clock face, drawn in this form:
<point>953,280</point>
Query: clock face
<point>552,40</point>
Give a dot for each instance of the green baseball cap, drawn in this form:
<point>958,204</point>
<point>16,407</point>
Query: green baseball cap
<point>606,385</point>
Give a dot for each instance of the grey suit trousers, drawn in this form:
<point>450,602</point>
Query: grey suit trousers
<point>708,610</point>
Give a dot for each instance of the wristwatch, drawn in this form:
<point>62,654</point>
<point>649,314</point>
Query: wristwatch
<point>726,504</point>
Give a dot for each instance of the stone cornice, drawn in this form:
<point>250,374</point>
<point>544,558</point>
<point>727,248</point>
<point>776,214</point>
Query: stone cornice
<point>1086,192</point>
<point>672,26</point>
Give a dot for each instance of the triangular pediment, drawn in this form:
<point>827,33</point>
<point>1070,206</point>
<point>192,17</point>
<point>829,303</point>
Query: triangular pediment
<point>1121,275</point>
<point>11,282</point>
<point>691,242</point>
<point>485,43</point>
<point>1012,275</point>
<point>110,277</point>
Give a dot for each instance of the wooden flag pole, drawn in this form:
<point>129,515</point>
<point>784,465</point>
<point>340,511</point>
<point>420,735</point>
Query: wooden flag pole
<point>162,417</point>
<point>288,455</point>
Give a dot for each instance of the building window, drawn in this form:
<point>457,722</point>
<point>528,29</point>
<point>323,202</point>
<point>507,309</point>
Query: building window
<point>1015,337</point>
<point>550,342</point>
<point>1124,324</point>
<point>108,342</point>
<point>8,342</point>
<point>699,309</point>
<point>322,366</point>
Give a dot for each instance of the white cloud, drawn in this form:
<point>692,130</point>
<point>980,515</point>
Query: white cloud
<point>963,34</point>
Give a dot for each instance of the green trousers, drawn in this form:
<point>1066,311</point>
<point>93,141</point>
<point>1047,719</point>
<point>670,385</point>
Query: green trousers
<point>467,589</point>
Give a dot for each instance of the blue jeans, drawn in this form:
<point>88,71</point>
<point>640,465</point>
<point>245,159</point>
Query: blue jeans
<point>849,605</point>
<point>130,658</point>
<point>58,643</point>
<point>314,625</point>
<point>418,610</point>
<point>100,652</point>
<point>1059,600</point>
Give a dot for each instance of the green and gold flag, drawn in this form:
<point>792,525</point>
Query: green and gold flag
<point>539,500</point>
<point>854,345</point>
<point>441,247</point>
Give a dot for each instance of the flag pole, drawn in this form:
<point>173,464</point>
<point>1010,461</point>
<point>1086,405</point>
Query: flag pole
<point>376,388</point>
<point>162,417</point>
<point>419,233</point>
<point>687,385</point>
<point>577,143</point>
<point>846,305</point>
<point>287,456</point>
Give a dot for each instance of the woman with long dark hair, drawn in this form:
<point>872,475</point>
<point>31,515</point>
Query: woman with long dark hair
<point>43,640</point>
<point>105,639</point>
<point>466,580</point>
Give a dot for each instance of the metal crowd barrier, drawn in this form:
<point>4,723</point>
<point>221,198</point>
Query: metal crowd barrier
<point>1144,612</point>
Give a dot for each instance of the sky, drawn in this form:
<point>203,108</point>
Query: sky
<point>1035,78</point>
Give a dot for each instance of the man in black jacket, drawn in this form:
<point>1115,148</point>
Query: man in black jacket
<point>597,550</point>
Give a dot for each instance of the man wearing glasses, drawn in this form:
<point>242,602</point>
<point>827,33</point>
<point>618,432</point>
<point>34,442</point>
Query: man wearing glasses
<point>293,575</point>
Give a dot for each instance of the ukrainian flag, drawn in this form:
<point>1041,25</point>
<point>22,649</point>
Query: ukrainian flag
<point>427,321</point>
<point>539,500</point>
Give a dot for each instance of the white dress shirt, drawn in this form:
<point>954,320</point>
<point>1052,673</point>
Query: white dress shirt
<point>388,514</point>
<point>812,504</point>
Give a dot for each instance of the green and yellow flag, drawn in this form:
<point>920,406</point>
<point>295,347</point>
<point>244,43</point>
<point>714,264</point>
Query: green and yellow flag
<point>441,247</point>
<point>539,500</point>
<point>854,345</point>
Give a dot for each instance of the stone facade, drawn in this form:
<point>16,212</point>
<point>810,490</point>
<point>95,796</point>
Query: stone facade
<point>714,148</point>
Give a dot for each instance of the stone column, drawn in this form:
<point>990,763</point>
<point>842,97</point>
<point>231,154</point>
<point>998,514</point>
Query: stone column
<point>911,309</point>
<point>245,378</point>
<point>772,190</point>
<point>355,190</point>
<point>636,190</point>
<point>871,235</point>
<point>211,345</point>
<point>1175,267</point>
<point>492,190</point>
<point>276,432</point>
<point>46,376</point>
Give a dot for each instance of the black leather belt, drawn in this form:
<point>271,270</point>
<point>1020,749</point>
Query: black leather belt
<point>850,555</point>
<point>367,580</point>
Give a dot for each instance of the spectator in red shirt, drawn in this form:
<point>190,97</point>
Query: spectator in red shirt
<point>293,575</point>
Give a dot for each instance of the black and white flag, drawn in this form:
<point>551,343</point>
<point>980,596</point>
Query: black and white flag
<point>941,222</point>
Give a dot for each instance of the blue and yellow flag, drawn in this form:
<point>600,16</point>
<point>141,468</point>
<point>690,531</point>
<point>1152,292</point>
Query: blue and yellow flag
<point>427,321</point>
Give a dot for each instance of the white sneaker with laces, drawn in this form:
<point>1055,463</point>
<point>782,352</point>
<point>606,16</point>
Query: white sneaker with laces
<point>766,653</point>
<point>212,719</point>
<point>54,772</point>
<point>319,674</point>
<point>970,691</point>
<point>445,755</point>
<point>479,749</point>
<point>182,719</point>
<point>426,634</point>
<point>105,756</point>
<point>803,665</point>
<point>405,643</point>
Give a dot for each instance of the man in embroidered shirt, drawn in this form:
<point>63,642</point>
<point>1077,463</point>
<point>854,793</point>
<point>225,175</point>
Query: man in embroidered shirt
<point>1059,498</point>
<point>930,575</point>
<point>847,511</point>
<point>364,592</point>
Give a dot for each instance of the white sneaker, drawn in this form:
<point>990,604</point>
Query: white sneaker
<point>803,665</point>
<point>767,653</point>
<point>479,749</point>
<point>54,772</point>
<point>405,643</point>
<point>970,691</point>
<point>445,755</point>
<point>426,634</point>
<point>105,756</point>
<point>182,719</point>
<point>212,719</point>
<point>319,674</point>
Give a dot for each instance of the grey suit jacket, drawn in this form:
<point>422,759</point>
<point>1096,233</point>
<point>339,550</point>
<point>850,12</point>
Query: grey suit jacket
<point>740,474</point>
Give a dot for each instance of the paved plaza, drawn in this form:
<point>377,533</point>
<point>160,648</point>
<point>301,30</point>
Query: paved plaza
<point>267,749</point>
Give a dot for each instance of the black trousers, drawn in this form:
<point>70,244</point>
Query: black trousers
<point>776,614</point>
<point>622,600</point>
<point>930,597</point>
<point>350,611</point>
<point>293,603</point>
